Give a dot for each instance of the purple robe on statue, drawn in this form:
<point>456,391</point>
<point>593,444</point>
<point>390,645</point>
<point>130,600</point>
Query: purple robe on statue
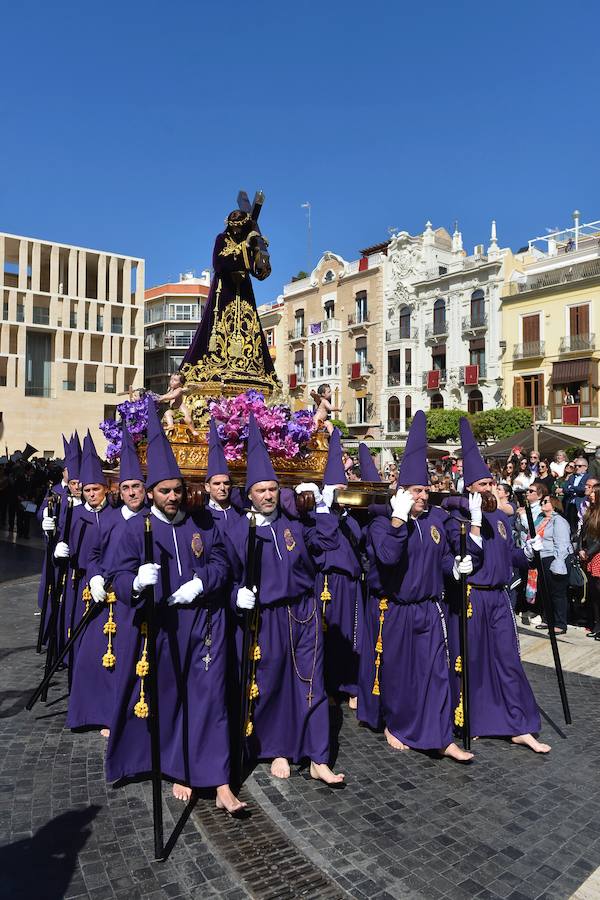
<point>408,565</point>
<point>501,701</point>
<point>91,702</point>
<point>344,611</point>
<point>194,733</point>
<point>290,716</point>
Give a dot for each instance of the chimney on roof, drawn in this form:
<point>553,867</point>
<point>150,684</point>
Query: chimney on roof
<point>493,250</point>
<point>457,244</point>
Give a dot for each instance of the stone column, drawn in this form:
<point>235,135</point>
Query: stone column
<point>101,289</point>
<point>113,268</point>
<point>72,280</point>
<point>81,267</point>
<point>36,259</point>
<point>54,261</point>
<point>2,257</point>
<point>23,260</point>
<point>127,281</point>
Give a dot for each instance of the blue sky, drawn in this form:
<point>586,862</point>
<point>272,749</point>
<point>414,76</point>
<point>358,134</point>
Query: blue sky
<point>131,126</point>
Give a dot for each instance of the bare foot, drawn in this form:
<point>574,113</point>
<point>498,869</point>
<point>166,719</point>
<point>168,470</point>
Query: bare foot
<point>280,767</point>
<point>227,800</point>
<point>352,702</point>
<point>105,732</point>
<point>181,792</point>
<point>394,742</point>
<point>454,752</point>
<point>322,772</point>
<point>528,740</point>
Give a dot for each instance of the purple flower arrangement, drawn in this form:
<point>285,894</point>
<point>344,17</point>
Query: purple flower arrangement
<point>285,433</point>
<point>132,413</point>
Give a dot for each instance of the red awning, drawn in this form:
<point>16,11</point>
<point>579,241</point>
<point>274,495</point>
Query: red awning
<point>571,370</point>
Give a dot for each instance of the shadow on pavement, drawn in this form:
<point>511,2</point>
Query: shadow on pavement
<point>42,866</point>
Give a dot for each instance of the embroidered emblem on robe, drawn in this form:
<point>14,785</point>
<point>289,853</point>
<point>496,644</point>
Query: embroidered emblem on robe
<point>288,537</point>
<point>502,530</point>
<point>435,534</point>
<point>197,545</point>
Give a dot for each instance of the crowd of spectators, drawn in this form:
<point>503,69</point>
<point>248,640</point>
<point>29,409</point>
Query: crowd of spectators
<point>23,484</point>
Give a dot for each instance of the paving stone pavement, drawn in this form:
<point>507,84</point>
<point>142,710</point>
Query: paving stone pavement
<point>511,825</point>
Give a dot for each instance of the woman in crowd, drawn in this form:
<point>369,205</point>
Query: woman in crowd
<point>589,553</point>
<point>555,533</point>
<point>561,480</point>
<point>545,476</point>
<point>508,473</point>
<point>557,467</point>
<point>524,477</point>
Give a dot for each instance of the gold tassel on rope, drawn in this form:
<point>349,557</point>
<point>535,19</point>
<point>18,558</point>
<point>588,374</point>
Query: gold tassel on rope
<point>459,714</point>
<point>383,605</point>
<point>325,599</point>
<point>110,628</point>
<point>254,655</point>
<point>470,605</point>
<point>142,669</point>
<point>86,596</point>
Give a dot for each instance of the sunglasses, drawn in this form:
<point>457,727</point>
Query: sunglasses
<point>580,465</point>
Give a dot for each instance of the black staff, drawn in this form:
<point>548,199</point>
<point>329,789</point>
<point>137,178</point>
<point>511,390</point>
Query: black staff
<point>245,667</point>
<point>153,718</point>
<point>56,622</point>
<point>49,585</point>
<point>549,613</point>
<point>41,689</point>
<point>464,644</point>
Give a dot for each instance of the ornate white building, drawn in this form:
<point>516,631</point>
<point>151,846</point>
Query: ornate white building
<point>443,327</point>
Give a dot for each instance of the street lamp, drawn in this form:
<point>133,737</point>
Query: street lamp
<point>576,218</point>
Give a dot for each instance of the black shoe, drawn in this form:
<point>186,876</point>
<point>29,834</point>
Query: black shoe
<point>542,627</point>
<point>594,633</point>
<point>597,637</point>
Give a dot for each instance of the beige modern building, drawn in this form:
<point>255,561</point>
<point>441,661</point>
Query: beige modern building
<point>334,329</point>
<point>172,313</point>
<point>71,339</point>
<point>273,321</point>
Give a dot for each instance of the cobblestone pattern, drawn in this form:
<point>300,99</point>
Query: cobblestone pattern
<point>512,824</point>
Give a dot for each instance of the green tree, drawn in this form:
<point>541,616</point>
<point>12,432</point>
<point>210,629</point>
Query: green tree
<point>442,424</point>
<point>337,423</point>
<point>495,424</point>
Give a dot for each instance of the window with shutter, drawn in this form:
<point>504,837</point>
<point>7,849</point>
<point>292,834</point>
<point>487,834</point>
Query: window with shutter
<point>518,392</point>
<point>579,320</point>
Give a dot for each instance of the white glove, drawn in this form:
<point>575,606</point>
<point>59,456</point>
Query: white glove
<point>532,545</point>
<point>402,503</point>
<point>147,576</point>
<point>328,495</point>
<point>245,598</point>
<point>462,566</point>
<point>475,509</point>
<point>187,593</point>
<point>97,589</point>
<point>309,487</point>
<point>48,524</point>
<point>61,551</point>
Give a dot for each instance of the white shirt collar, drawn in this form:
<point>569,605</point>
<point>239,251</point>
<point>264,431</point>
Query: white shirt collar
<point>98,508</point>
<point>128,513</point>
<point>263,520</point>
<point>179,516</point>
<point>214,505</point>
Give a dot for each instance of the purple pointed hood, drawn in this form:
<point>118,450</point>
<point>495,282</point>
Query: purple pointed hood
<point>368,469</point>
<point>91,465</point>
<point>217,464</point>
<point>260,467</point>
<point>161,463</point>
<point>73,457</point>
<point>334,470</point>
<point>129,464</point>
<point>474,467</point>
<point>413,468</point>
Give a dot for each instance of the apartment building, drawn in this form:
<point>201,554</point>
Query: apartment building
<point>334,326</point>
<point>71,338</point>
<point>172,313</point>
<point>273,322</point>
<point>550,312</point>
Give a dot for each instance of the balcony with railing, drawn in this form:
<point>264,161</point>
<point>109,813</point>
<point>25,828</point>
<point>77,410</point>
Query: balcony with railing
<point>401,334</point>
<point>428,382</point>
<point>394,379</point>
<point>297,379</point>
<point>68,385</point>
<point>356,419</point>
<point>297,334</point>
<point>393,426</point>
<point>110,389</point>
<point>324,327</point>
<point>324,371</point>
<point>469,373</point>
<point>577,343</point>
<point>474,323</point>
<point>360,369</point>
<point>41,315</point>
<point>358,320</point>
<point>33,390</point>
<point>437,331</point>
<point>530,350</point>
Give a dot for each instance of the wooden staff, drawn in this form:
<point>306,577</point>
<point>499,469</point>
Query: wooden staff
<point>153,712</point>
<point>245,663</point>
<point>49,585</point>
<point>549,613</point>
<point>464,651</point>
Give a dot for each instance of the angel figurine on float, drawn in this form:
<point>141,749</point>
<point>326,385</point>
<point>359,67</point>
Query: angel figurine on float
<point>322,400</point>
<point>177,407</point>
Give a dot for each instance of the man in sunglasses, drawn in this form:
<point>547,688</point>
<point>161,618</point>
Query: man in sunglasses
<point>574,492</point>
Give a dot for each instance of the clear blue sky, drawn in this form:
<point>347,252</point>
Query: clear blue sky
<point>130,125</point>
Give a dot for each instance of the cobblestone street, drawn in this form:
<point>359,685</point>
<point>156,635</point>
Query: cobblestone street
<point>511,825</point>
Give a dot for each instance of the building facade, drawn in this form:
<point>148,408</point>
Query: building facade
<point>443,325</point>
<point>273,322</point>
<point>172,313</point>
<point>334,324</point>
<point>550,316</point>
<point>71,338</point>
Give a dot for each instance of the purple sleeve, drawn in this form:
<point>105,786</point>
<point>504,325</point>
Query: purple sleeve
<point>127,559</point>
<point>388,543</point>
<point>215,571</point>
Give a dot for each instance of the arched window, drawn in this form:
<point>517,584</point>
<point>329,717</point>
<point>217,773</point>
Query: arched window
<point>439,316</point>
<point>393,414</point>
<point>475,402</point>
<point>477,308</point>
<point>405,322</point>
<point>407,411</point>
<point>328,354</point>
<point>437,401</point>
